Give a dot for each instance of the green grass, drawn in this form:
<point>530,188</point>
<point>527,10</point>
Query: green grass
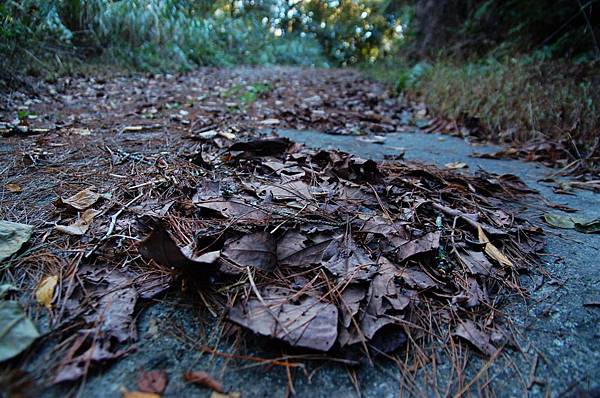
<point>516,100</point>
<point>247,94</point>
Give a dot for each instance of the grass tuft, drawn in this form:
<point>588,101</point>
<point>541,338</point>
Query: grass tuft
<point>516,100</point>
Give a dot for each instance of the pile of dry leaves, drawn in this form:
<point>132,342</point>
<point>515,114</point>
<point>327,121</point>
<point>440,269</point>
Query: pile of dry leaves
<point>318,250</point>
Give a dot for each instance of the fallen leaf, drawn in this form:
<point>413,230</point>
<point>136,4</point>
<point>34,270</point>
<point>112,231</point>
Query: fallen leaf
<point>469,331</point>
<point>161,247</point>
<point>255,250</point>
<point>81,200</point>
<point>559,221</point>
<point>492,250</point>
<point>80,226</point>
<point>115,302</point>
<point>297,250</point>
<point>415,278</point>
<point>12,236</point>
<point>229,395</point>
<point>293,190</point>
<point>85,352</point>
<point>6,288</point>
<point>384,302</point>
<point>241,212</point>
<point>154,381</point>
<point>17,331</point>
<point>304,323</point>
<point>271,146</point>
<point>45,291</point>
<point>140,394</point>
<point>424,244</point>
<point>345,259</point>
<point>588,226</point>
<point>203,379</point>
<point>477,263</point>
<point>14,188</point>
<point>350,302</point>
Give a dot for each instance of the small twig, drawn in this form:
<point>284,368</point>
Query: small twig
<point>532,371</point>
<point>289,218</point>
<point>113,223</point>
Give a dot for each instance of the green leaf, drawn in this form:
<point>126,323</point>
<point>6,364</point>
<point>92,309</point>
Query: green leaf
<point>12,237</point>
<point>586,226</point>
<point>5,289</point>
<point>17,332</point>
<point>559,221</point>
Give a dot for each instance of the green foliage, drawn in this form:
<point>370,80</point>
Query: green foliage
<point>247,94</point>
<point>409,78</point>
<point>177,34</point>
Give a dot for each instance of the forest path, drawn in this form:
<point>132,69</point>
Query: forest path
<point>89,123</point>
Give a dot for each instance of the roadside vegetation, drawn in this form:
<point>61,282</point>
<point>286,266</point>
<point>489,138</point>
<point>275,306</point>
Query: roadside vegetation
<point>523,71</point>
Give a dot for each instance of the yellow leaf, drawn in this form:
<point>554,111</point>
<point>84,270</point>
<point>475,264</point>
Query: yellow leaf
<point>14,188</point>
<point>139,394</point>
<point>80,226</point>
<point>45,291</point>
<point>230,395</point>
<point>492,250</point>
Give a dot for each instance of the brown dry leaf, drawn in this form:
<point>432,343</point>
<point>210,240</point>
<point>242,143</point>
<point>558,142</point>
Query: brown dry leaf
<point>154,381</point>
<point>75,365</point>
<point>45,291</point>
<point>14,188</point>
<point>81,200</point>
<point>477,263</point>
<point>139,394</point>
<point>292,190</point>
<point>384,302</point>
<point>255,250</point>
<point>345,259</point>
<point>424,244</point>
<point>115,303</point>
<point>229,395</point>
<point>304,323</point>
<point>415,278</point>
<point>241,212</point>
<point>492,250</point>
<point>80,226</point>
<point>293,250</point>
<point>469,331</point>
<point>270,146</point>
<point>161,247</point>
<point>203,379</point>
<point>350,302</point>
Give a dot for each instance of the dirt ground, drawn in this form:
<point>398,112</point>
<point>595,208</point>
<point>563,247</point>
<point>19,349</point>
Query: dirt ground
<point>124,135</point>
